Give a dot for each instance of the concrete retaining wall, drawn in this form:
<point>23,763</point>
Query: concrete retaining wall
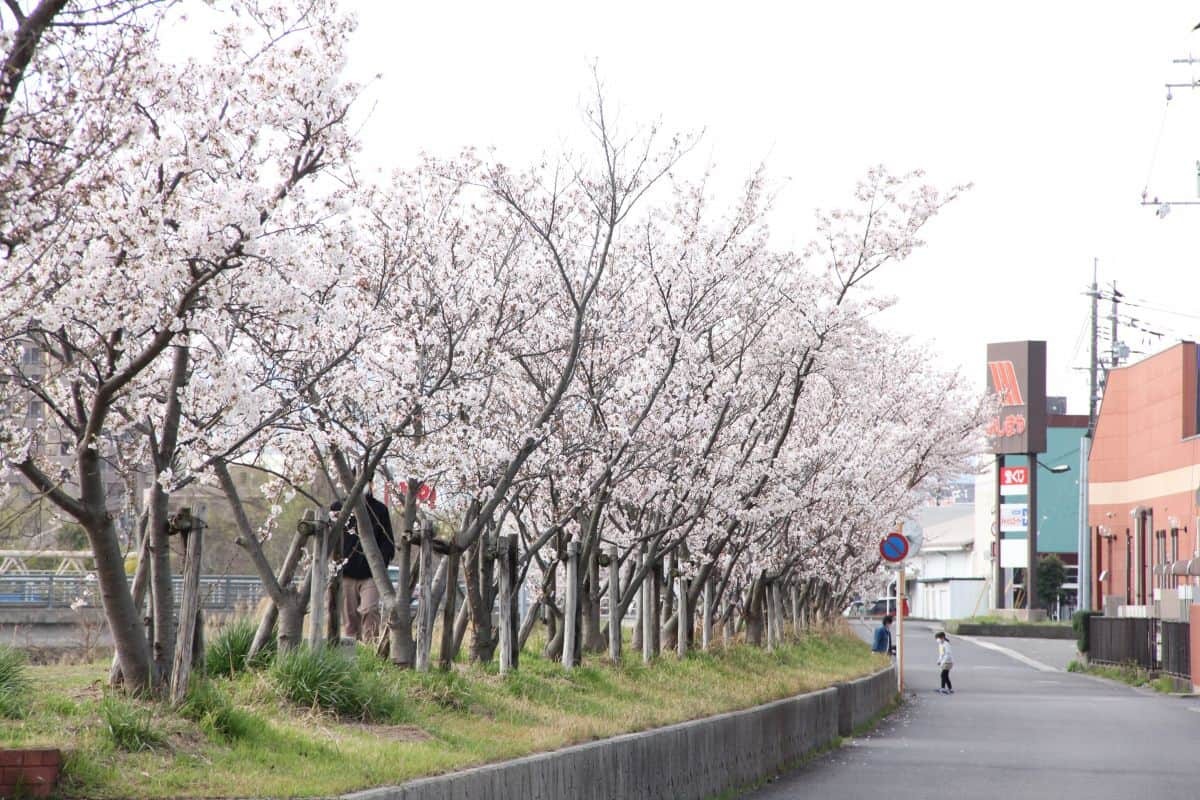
<point>688,761</point>
<point>1015,631</point>
<point>859,701</point>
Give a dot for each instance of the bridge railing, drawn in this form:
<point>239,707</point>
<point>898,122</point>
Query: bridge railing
<point>48,590</point>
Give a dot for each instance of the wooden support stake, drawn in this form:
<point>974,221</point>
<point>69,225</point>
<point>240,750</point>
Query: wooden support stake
<point>649,620</point>
<point>514,614</point>
<point>318,548</point>
<point>571,605</point>
<point>614,605</point>
<point>707,629</point>
<point>505,620</point>
<point>189,607</point>
<point>446,657</point>
<point>424,612</point>
<point>682,616</point>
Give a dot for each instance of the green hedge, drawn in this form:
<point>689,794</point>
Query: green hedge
<point>1080,623</point>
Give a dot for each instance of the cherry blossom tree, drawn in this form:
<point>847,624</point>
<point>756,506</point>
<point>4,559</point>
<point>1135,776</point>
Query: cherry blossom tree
<point>139,182</point>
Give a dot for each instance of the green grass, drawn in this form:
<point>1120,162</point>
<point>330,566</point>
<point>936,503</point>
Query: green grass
<point>243,736</point>
<point>993,619</point>
<point>14,683</point>
<point>1130,674</point>
<point>227,654</point>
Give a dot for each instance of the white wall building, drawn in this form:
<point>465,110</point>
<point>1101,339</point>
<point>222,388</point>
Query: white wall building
<point>945,581</point>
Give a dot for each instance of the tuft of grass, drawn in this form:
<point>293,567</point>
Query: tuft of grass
<point>129,727</point>
<point>1127,673</point>
<point>14,683</point>
<point>210,708</point>
<point>326,679</point>
<point>228,653</point>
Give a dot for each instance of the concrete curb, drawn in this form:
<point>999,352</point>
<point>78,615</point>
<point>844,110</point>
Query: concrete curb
<point>687,761</point>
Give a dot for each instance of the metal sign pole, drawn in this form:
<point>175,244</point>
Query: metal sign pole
<point>900,630</point>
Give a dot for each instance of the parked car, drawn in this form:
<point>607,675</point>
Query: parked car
<point>887,605</point>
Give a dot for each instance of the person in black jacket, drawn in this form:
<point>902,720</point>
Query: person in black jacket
<point>360,595</point>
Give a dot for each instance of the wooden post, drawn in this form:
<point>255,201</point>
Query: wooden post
<point>514,612</point>
<point>506,593</point>
<point>649,621</point>
<point>772,622</point>
<point>189,607</point>
<point>571,605</point>
<point>446,656</point>
<point>614,605</point>
<point>318,548</point>
<point>424,612</point>
<point>707,627</point>
<point>683,618</point>
<point>656,604</point>
<point>796,611</point>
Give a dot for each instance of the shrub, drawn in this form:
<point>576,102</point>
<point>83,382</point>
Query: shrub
<point>327,679</point>
<point>226,655</point>
<point>1080,623</point>
<point>130,728</point>
<point>14,683</point>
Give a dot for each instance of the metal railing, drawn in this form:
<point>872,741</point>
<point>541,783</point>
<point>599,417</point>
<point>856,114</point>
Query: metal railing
<point>47,590</point>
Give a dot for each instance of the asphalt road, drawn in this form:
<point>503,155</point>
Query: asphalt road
<point>1018,726</point>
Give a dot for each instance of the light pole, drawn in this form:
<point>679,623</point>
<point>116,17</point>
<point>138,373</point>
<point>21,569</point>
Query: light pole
<point>1031,534</point>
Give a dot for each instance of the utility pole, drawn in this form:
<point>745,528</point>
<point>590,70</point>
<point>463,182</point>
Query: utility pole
<point>1093,396</point>
<point>1116,357</point>
<point>1083,542</point>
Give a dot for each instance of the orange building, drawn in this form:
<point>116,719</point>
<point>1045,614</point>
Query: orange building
<point>1143,482</point>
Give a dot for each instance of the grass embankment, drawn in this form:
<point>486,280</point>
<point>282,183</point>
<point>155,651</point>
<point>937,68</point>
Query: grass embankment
<point>268,730</point>
<point>992,619</point>
<point>1130,674</point>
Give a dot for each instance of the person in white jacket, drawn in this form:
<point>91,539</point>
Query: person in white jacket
<point>945,660</point>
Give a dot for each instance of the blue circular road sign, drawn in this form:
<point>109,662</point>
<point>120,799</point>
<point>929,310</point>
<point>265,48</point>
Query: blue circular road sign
<point>894,547</point>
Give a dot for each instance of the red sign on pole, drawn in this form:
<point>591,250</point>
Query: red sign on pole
<point>1014,480</point>
<point>426,494</point>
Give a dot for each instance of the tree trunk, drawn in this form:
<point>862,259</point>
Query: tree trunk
<point>399,622</point>
<point>291,621</point>
<point>594,641</point>
<point>667,632</point>
<point>162,600</point>
<point>614,605</point>
<point>141,580</point>
<point>479,601</point>
<point>754,612</point>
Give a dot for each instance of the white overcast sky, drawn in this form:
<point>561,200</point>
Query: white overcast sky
<point>1054,110</point>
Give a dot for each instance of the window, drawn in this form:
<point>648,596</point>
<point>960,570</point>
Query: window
<point>36,410</point>
<point>31,355</point>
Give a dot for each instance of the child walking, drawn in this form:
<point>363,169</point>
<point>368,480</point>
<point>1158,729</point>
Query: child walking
<point>945,660</point>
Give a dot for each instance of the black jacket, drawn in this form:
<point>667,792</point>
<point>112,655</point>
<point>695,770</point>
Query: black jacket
<point>356,565</point>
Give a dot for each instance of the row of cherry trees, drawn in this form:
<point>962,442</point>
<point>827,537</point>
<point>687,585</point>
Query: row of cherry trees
<point>611,374</point>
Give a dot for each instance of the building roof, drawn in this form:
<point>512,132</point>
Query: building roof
<point>950,527</point>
